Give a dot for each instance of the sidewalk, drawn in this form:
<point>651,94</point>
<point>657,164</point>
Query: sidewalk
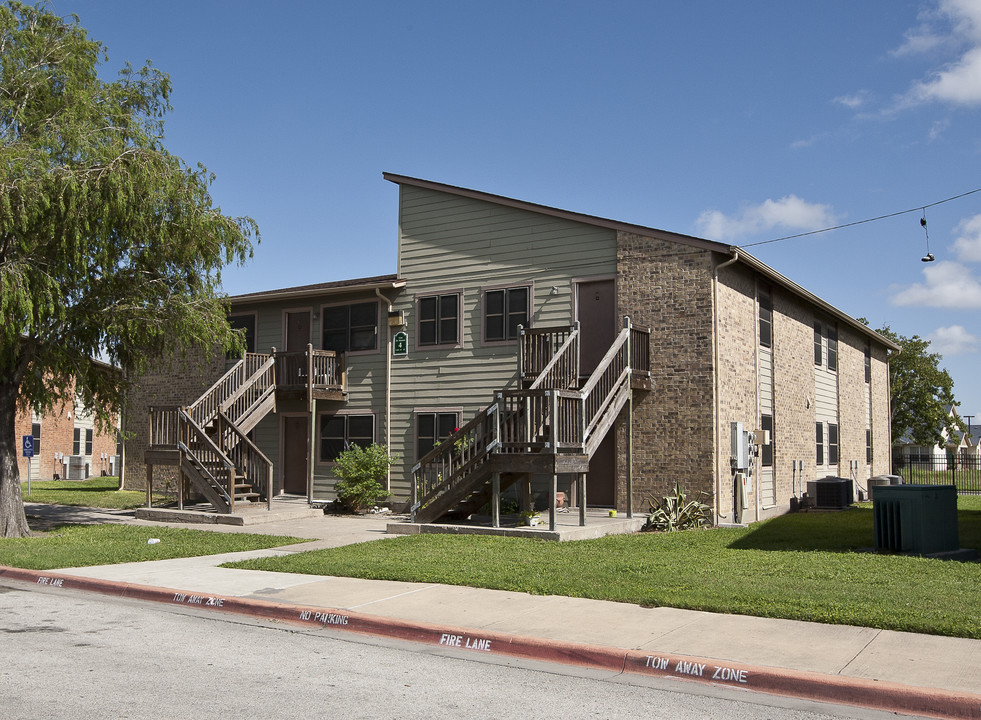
<point>901,672</point>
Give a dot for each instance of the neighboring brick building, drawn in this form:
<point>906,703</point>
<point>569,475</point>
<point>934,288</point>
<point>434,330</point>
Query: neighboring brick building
<point>730,341</point>
<point>67,444</point>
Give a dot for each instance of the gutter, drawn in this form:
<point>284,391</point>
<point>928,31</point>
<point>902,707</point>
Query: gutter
<point>388,389</point>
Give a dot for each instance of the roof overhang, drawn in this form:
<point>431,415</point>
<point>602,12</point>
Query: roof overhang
<point>380,282</point>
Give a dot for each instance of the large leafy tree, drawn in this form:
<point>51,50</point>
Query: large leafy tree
<point>110,246</point>
<point>921,392</point>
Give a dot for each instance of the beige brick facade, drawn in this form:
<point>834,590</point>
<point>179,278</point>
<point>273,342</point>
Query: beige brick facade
<point>178,382</point>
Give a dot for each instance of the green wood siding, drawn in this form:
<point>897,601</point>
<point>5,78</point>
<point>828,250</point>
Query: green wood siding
<point>451,243</point>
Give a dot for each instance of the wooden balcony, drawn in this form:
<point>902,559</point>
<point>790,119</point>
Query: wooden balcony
<point>311,374</point>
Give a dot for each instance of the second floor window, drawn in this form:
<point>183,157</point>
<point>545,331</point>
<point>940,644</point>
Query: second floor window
<point>504,311</point>
<point>439,319</point>
<point>351,327</point>
<point>766,318</point>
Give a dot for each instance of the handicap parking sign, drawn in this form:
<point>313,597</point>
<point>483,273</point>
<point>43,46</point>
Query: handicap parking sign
<point>28,446</point>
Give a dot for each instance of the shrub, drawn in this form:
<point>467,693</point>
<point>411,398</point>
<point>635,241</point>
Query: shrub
<point>677,512</point>
<point>360,474</point>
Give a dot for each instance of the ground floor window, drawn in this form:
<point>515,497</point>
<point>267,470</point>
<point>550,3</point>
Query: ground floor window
<point>819,443</point>
<point>868,446</point>
<point>832,444</point>
<point>338,432</point>
<point>432,428</point>
<point>36,433</point>
<point>766,451</point>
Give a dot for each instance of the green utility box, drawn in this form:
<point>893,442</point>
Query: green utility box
<point>918,519</point>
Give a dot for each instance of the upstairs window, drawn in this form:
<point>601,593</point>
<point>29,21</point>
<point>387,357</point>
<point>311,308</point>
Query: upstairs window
<point>350,327</point>
<point>504,311</point>
<point>868,364</point>
<point>818,345</point>
<point>439,319</point>
<point>246,323</point>
<point>766,318</point>
<point>832,348</point>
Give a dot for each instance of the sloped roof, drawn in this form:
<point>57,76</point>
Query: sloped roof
<point>722,248</point>
<point>380,282</point>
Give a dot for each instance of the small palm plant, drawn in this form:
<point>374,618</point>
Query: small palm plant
<point>677,512</point>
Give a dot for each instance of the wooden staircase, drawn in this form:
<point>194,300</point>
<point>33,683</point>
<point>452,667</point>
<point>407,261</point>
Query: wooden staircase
<point>550,425</point>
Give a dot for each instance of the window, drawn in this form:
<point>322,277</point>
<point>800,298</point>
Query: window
<point>504,311</point>
<point>832,348</point>
<point>818,355</point>
<point>77,442</point>
<point>246,323</point>
<point>36,432</point>
<point>439,319</point>
<point>868,364</point>
<point>88,441</point>
<point>766,451</point>
<point>351,327</point>
<point>766,318</point>
<point>819,443</point>
<point>868,446</point>
<point>339,432</point>
<point>832,444</point>
<point>432,428</point>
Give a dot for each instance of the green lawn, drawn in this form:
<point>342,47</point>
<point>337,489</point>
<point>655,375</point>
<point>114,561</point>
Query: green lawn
<point>108,544</point>
<point>101,492</point>
<point>802,566</point>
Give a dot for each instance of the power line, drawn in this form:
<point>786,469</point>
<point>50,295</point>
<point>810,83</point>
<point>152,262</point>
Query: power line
<point>862,222</point>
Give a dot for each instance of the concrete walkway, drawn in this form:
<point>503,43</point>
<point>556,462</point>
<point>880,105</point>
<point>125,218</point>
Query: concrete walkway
<point>902,672</point>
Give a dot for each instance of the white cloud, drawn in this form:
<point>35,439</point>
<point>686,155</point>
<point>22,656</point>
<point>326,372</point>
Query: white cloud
<point>958,82</point>
<point>968,242</point>
<point>853,101</point>
<point>789,213</point>
<point>947,285</point>
<point>953,340</point>
<point>938,129</point>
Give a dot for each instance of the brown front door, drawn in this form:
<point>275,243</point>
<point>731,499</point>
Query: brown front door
<point>295,430</point>
<point>601,479</point>
<point>297,330</point>
<point>596,310</point>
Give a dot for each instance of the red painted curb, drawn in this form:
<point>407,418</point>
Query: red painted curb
<point>887,696</point>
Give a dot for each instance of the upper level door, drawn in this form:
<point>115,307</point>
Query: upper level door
<point>297,330</point>
<point>596,311</point>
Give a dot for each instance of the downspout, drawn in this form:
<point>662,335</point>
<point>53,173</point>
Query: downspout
<point>715,372</point>
<point>388,389</point>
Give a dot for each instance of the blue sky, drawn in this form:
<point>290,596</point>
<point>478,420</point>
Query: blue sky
<point>739,122</point>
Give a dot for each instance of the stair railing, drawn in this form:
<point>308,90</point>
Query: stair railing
<point>251,393</point>
<point>452,460</point>
<point>204,409</point>
<point>562,370</point>
<point>207,457</point>
<point>255,467</point>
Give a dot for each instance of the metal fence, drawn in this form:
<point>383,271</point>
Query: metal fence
<point>964,472</point>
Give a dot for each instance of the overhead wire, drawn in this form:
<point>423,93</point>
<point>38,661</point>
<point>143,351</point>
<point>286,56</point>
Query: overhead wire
<point>918,208</point>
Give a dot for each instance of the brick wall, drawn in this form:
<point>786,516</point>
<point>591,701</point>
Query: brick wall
<point>738,377</point>
<point>57,436</point>
<point>667,286</point>
<point>175,382</point>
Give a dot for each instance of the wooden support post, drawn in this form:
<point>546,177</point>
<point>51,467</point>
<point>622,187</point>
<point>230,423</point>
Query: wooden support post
<point>496,499</point>
<point>630,454</point>
<point>552,499</point>
<point>310,447</point>
<point>526,500</point>
<point>581,482</point>
<point>149,485</point>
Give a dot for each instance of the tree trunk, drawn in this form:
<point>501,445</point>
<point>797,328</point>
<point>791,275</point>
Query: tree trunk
<point>13,522</point>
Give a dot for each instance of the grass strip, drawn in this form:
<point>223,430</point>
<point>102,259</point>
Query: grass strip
<point>100,492</point>
<point>108,544</point>
<point>803,566</point>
